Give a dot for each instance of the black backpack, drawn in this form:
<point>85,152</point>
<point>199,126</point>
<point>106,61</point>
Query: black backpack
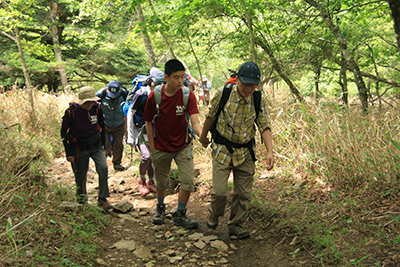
<point>139,106</point>
<point>224,98</point>
<point>215,135</point>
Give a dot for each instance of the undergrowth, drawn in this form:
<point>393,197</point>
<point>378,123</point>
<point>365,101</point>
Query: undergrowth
<point>35,231</point>
<point>346,211</point>
<point>332,196</point>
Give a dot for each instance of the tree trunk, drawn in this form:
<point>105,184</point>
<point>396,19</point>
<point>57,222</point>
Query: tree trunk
<point>277,67</point>
<point>57,47</point>
<point>146,38</point>
<point>249,23</point>
<point>26,75</point>
<point>195,56</point>
<point>343,81</point>
<point>167,44</point>
<point>317,75</point>
<point>362,90</point>
<point>395,8</point>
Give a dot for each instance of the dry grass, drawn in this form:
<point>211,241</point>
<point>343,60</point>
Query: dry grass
<point>31,223</point>
<point>346,211</point>
<point>344,147</point>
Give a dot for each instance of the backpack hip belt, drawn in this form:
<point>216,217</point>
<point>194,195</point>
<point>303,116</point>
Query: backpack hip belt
<point>219,139</point>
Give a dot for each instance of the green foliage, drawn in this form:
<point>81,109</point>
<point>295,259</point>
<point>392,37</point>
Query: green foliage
<point>92,47</point>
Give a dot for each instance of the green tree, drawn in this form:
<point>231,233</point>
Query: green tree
<point>11,11</point>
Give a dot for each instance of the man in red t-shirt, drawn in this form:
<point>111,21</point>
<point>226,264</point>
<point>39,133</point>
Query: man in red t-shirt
<point>170,126</point>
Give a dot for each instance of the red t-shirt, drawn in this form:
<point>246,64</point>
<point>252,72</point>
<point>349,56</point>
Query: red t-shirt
<point>171,126</point>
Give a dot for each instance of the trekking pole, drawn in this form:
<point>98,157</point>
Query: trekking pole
<point>131,154</point>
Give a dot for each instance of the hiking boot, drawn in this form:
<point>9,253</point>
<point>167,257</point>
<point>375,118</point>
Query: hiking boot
<point>143,190</point>
<point>159,214</point>
<point>151,185</point>
<point>119,167</point>
<point>238,232</point>
<point>212,222</point>
<point>102,202</point>
<point>181,220</point>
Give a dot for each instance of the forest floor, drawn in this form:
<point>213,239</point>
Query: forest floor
<point>130,239</point>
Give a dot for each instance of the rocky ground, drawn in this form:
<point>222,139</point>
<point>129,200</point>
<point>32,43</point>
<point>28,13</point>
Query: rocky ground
<point>132,240</point>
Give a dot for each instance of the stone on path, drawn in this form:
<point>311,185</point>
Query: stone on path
<point>123,207</point>
<point>125,244</point>
<point>143,253</point>
<point>220,245</point>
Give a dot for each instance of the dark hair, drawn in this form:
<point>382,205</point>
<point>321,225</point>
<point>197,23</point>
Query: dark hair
<point>173,65</point>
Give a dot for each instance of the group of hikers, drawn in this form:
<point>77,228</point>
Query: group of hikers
<point>162,120</point>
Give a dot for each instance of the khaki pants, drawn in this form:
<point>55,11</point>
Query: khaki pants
<point>242,182</point>
<point>162,165</point>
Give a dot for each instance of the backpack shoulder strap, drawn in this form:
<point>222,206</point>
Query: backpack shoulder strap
<point>224,98</point>
<point>189,131</point>
<point>257,101</point>
<point>103,94</point>
<point>100,119</point>
<point>157,98</point>
<point>71,114</point>
<point>226,91</point>
<point>186,94</point>
<point>157,101</point>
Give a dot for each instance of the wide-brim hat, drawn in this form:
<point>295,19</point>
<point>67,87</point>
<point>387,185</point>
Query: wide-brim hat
<point>249,73</point>
<point>86,93</point>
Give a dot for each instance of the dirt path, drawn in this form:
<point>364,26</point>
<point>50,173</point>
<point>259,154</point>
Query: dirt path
<point>132,240</point>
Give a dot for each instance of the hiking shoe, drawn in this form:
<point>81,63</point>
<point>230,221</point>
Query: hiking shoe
<point>151,185</point>
<point>102,202</point>
<point>181,220</point>
<point>159,214</point>
<point>212,222</point>
<point>119,167</point>
<point>143,190</point>
<point>239,232</point>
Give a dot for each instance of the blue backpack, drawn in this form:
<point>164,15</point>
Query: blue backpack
<point>137,82</point>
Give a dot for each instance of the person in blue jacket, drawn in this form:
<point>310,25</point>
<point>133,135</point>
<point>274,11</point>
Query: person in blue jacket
<point>112,100</point>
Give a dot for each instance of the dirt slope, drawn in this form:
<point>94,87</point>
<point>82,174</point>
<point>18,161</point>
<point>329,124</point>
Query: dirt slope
<point>169,245</point>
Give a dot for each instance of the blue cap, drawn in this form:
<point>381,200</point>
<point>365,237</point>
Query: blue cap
<point>249,73</point>
<point>113,89</point>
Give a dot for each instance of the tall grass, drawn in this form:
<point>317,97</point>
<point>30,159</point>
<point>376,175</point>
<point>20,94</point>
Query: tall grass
<point>349,209</point>
<point>344,147</point>
<point>33,231</point>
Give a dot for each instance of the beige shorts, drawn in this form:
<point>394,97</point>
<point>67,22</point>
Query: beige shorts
<point>162,166</point>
